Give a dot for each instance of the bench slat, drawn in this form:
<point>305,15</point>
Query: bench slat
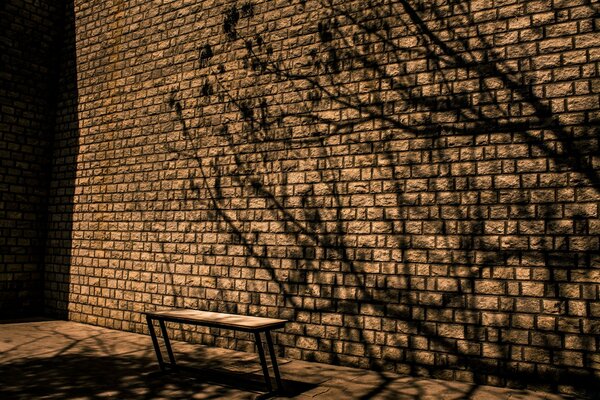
<point>218,320</point>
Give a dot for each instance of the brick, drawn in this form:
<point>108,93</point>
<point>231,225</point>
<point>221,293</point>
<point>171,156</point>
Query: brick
<point>492,319</point>
<point>586,40</point>
<point>532,289</point>
<point>306,343</point>
<point>580,103</point>
<point>536,355</point>
<point>490,287</point>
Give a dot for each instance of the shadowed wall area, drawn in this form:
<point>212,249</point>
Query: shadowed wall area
<point>61,189</point>
<point>414,184</point>
<point>30,43</point>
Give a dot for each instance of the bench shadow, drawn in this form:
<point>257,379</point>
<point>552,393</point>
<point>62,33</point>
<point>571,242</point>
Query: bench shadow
<point>239,380</point>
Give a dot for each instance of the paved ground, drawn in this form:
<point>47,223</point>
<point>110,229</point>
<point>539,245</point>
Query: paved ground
<point>68,360</point>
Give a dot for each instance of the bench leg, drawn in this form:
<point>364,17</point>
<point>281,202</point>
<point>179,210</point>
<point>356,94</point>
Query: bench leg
<point>273,360</point>
<point>263,361</point>
<point>155,343</point>
<point>163,329</point>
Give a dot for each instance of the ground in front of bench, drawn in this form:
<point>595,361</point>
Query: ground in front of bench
<point>67,360</point>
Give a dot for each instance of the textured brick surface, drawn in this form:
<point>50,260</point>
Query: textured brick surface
<point>28,45</point>
<point>413,184</point>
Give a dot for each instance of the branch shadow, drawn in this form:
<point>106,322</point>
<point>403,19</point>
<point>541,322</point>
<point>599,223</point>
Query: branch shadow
<point>423,239</point>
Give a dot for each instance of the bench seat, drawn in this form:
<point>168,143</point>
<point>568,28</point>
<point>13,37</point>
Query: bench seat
<point>211,319</point>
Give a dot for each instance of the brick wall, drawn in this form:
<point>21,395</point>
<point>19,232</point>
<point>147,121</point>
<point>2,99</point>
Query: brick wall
<point>27,52</point>
<point>413,184</point>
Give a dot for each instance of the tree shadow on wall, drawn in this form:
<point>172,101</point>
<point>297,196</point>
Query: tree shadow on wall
<point>407,179</point>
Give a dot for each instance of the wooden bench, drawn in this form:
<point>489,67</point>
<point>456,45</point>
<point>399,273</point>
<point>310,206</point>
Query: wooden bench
<point>243,323</point>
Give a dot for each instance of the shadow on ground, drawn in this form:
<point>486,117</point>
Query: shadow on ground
<point>76,376</point>
<point>68,360</point>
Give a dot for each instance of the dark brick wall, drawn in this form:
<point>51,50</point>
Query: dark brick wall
<point>62,183</point>
<point>28,48</point>
<point>413,184</point>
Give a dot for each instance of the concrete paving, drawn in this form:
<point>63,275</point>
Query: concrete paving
<point>68,360</point>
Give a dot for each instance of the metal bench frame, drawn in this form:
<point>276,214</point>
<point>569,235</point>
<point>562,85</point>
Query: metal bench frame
<point>255,325</point>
